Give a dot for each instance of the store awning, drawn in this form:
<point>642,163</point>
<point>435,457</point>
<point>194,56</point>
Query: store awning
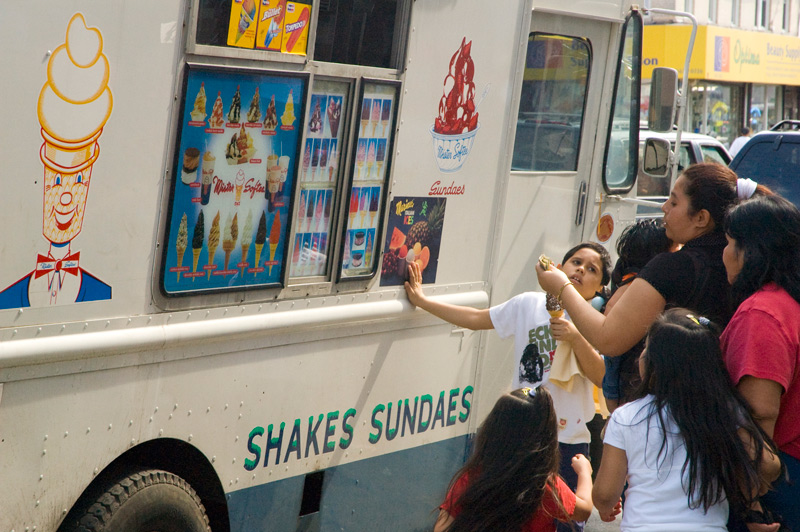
<point>723,54</point>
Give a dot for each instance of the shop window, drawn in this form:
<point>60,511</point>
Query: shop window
<point>713,5</point>
<point>762,14</point>
<point>736,9</point>
<point>785,15</point>
<point>552,103</point>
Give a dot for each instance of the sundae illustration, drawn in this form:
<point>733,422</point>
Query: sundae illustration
<point>254,114</point>
<point>315,124</point>
<point>198,113</point>
<point>213,242</point>
<point>197,242</point>
<point>240,149</point>
<point>288,118</point>
<point>191,160</point>
<point>261,237</point>
<point>181,242</point>
<point>334,114</point>
<point>217,119</point>
<point>271,117</point>
<point>455,128</point>
<point>230,237</point>
<point>247,238</point>
<point>234,113</point>
<point>74,105</point>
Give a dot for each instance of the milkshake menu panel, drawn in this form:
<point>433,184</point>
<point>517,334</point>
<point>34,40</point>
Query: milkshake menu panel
<point>235,167</point>
<point>374,144</point>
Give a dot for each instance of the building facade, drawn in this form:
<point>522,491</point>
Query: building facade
<point>745,66</point>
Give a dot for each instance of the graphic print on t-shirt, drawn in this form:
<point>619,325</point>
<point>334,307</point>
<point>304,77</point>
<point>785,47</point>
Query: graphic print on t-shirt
<point>537,356</point>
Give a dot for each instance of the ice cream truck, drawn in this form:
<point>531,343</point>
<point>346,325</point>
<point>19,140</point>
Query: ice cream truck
<point>209,210</point>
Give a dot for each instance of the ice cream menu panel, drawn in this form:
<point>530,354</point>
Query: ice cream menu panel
<point>235,166</point>
<point>318,178</point>
<point>373,147</point>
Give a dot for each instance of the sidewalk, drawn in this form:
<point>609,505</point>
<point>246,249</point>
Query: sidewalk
<point>595,524</point>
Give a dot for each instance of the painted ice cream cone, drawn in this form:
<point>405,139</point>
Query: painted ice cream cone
<point>274,237</point>
<point>181,242</point>
<point>213,242</point>
<point>259,248</point>
<point>195,259</point>
<point>229,239</point>
<point>74,105</point>
<point>197,242</point>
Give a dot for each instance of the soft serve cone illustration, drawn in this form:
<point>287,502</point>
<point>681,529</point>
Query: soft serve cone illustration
<point>74,105</point>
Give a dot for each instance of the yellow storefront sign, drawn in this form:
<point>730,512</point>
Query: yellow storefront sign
<point>723,54</point>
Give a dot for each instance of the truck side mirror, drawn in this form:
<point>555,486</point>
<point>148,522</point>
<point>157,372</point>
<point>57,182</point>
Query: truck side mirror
<point>663,99</point>
<point>656,158</point>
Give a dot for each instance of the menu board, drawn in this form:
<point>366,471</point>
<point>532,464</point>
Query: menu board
<point>376,116</point>
<point>318,178</point>
<point>234,173</point>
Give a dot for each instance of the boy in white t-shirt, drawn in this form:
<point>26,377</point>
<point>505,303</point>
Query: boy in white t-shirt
<point>588,267</point>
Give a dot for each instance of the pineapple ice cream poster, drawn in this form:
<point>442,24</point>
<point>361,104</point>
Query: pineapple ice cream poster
<point>74,105</point>
<point>234,172</point>
<point>414,234</point>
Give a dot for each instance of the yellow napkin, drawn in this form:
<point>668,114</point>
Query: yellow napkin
<point>565,366</point>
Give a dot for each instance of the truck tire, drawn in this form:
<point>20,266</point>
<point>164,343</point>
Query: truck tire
<point>147,501</point>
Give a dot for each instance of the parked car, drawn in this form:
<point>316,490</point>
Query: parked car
<point>773,159</point>
<point>695,148</point>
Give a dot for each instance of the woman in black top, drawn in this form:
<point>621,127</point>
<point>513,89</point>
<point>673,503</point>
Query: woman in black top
<point>693,277</point>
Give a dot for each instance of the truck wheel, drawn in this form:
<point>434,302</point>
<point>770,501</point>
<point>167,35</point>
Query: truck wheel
<point>146,501</point>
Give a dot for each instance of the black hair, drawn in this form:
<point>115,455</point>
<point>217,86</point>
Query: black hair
<point>605,258</point>
<point>514,458</point>
<point>710,186</point>
<point>767,231</point>
<point>744,131</point>
<point>637,244</point>
<point>685,373</point>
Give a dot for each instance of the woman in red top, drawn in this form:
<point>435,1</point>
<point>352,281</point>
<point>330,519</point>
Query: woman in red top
<point>511,482</point>
<point>761,345</point>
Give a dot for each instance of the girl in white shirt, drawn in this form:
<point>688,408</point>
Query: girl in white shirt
<point>689,449</point>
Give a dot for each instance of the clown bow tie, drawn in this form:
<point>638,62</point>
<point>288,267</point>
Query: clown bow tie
<point>46,265</point>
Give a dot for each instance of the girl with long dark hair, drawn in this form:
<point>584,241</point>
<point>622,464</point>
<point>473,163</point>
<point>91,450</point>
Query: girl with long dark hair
<point>511,482</point>
<point>761,344</point>
<point>689,449</point>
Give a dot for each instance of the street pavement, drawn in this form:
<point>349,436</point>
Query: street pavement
<point>595,524</point>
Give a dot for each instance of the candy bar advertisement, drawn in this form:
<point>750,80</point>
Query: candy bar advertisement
<point>414,234</point>
<point>318,178</point>
<point>234,173</point>
<point>373,147</point>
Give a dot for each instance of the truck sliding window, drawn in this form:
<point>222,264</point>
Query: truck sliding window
<point>552,103</point>
<point>283,143</point>
<point>620,164</point>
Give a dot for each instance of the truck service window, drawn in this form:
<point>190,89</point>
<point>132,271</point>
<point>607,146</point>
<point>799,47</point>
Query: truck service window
<point>552,103</point>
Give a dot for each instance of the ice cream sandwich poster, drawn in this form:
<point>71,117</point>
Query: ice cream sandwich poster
<point>234,170</point>
<point>413,234</point>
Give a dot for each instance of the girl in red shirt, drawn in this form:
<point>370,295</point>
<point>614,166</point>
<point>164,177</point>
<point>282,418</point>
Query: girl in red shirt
<point>511,482</point>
